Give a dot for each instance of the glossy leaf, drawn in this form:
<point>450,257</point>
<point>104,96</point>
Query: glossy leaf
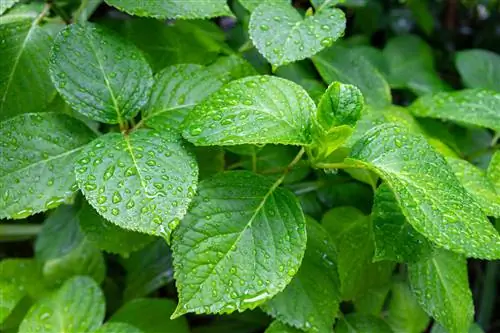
<point>63,251</point>
<point>78,306</point>
<point>474,328</point>
<point>117,328</point>
<point>430,196</point>
<point>395,238</point>
<point>405,314</point>
<point>148,270</point>
<point>348,228</point>
<point>108,236</point>
<point>441,286</point>
<point>24,79</point>
<point>350,67</point>
<point>479,69</point>
<point>477,184</point>
<point>472,106</point>
<point>178,9</point>
<point>6,4</point>
<point>283,36</point>
<point>278,327</point>
<point>252,4</point>
<point>241,243</point>
<point>279,111</point>
<point>142,181</point>
<point>150,315</point>
<point>99,74</point>
<point>493,172</point>
<point>361,323</point>
<point>311,300</point>
<point>38,153</point>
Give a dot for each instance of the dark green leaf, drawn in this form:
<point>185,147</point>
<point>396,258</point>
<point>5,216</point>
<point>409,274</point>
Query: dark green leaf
<point>100,74</point>
<point>179,9</point>
<point>142,181</point>
<point>405,314</point>
<point>283,36</point>
<point>493,172</point>
<point>472,106</point>
<point>479,69</point>
<point>279,111</point>
<point>117,328</point>
<point>430,196</point>
<point>361,323</point>
<point>78,306</point>
<point>241,243</point>
<point>441,286</point>
<point>38,153</point>
<point>278,327</point>
<point>252,4</point>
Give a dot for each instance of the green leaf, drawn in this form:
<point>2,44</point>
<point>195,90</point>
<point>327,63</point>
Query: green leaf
<point>108,236</point>
<point>150,315</point>
<point>493,172</point>
<point>24,79</point>
<point>38,153</point>
<point>148,270</point>
<point>142,181</point>
<point>278,327</point>
<point>349,228</point>
<point>86,9</point>
<point>430,196</point>
<point>178,9</point>
<point>279,111</point>
<point>348,66</point>
<point>250,5</point>
<point>441,286</point>
<point>474,328</point>
<point>405,314</point>
<point>477,184</point>
<point>471,106</point>
<point>240,244</point>
<point>373,300</point>
<point>283,36</point>
<point>395,238</point>
<point>411,65</point>
<point>6,4</point>
<point>479,69</point>
<point>362,323</point>
<point>99,74</point>
<point>11,295</point>
<point>78,306</point>
<point>311,300</point>
<point>63,251</point>
<point>117,328</point>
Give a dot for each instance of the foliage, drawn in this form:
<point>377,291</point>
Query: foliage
<point>245,166</point>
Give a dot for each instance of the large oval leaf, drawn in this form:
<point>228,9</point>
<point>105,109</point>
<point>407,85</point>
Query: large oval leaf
<point>430,196</point>
<point>241,243</point>
<point>38,153</point>
<point>252,110</point>
<point>283,36</point>
<point>141,181</point>
<point>100,74</point>
<point>479,69</point>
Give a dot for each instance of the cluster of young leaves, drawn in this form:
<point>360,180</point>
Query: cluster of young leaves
<point>123,132</point>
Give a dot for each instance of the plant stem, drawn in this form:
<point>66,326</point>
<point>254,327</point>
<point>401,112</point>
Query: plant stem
<point>488,295</point>
<point>19,231</point>
<point>334,166</point>
<point>248,45</point>
<point>45,12</point>
<point>78,13</point>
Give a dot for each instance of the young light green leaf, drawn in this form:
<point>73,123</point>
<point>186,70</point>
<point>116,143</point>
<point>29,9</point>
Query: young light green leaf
<point>479,69</point>
<point>430,196</point>
<point>405,314</point>
<point>349,228</point>
<point>395,238</point>
<point>142,181</point>
<point>362,323</point>
<point>477,184</point>
<point>78,306</point>
<point>24,79</point>
<point>471,106</point>
<point>493,172</point>
<point>38,153</point>
<point>250,5</point>
<point>99,74</point>
<point>117,328</point>
<point>441,286</point>
<point>279,327</point>
<point>62,250</point>
<point>411,65</point>
<point>108,236</point>
<point>174,9</point>
<point>7,4</point>
<point>311,300</point>
<point>279,111</point>
<point>282,35</point>
<point>348,66</point>
<point>240,244</point>
<point>148,270</point>
<point>150,315</point>
<point>340,105</point>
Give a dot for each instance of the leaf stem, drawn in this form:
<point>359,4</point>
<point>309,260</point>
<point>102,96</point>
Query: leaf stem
<point>247,46</point>
<point>78,13</point>
<point>19,231</point>
<point>45,11</point>
<point>334,166</point>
